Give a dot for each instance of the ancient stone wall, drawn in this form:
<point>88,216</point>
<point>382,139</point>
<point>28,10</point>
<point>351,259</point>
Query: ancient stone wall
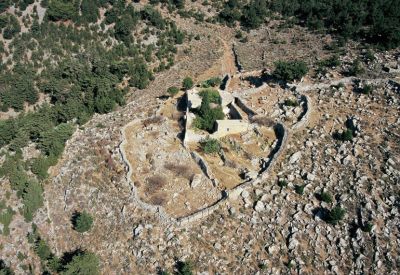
<point>234,112</point>
<point>239,102</point>
<point>305,116</point>
<point>157,210</point>
<point>203,165</point>
<point>282,134</point>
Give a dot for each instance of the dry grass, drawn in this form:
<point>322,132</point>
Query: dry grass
<point>152,120</point>
<point>231,164</point>
<point>184,171</point>
<point>155,183</point>
<point>157,200</point>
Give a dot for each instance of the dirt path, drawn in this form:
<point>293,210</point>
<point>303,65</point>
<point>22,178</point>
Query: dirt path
<point>228,60</point>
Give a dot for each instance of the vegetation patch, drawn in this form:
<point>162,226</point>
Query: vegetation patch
<point>6,215</point>
<point>290,70</point>
<point>207,115</point>
<point>82,222</point>
<point>210,146</point>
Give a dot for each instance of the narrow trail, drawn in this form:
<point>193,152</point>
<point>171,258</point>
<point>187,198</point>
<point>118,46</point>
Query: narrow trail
<point>228,65</point>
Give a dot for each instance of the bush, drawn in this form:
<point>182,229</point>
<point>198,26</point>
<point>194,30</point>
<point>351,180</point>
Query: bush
<point>282,183</point>
<point>356,68</point>
<point>291,70</point>
<point>206,115</point>
<point>326,197</point>
<point>12,27</point>
<point>347,135</point>
<point>172,91</point>
<point>335,215</point>
<point>211,95</point>
<point>369,56</point>
<point>367,227</point>
<point>330,62</point>
<point>90,11</point>
<point>5,270</point>
<point>82,222</point>
<point>6,215</point>
<point>187,83</point>
<point>32,199</point>
<point>84,263</point>
<point>212,82</point>
<point>61,10</point>
<point>291,103</point>
<point>42,250</point>
<point>210,146</point>
<point>299,189</point>
<point>184,268</point>
<point>367,89</point>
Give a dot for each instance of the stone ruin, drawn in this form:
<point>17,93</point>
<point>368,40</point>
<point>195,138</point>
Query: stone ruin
<point>239,119</point>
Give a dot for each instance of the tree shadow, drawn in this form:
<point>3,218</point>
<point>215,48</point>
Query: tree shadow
<point>182,103</point>
<point>265,77</point>
<point>74,218</point>
<point>68,256</point>
<point>321,213</point>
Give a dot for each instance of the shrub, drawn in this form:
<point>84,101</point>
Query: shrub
<point>42,250</point>
<point>172,91</point>
<point>61,10</point>
<point>207,115</point>
<point>180,170</point>
<point>187,83</point>
<point>6,215</point>
<point>32,199</point>
<point>291,70</point>
<point>367,227</point>
<point>211,146</point>
<point>356,68</point>
<point>184,268</point>
<point>282,183</point>
<point>299,189</point>
<point>326,197</point>
<point>84,263</point>
<point>291,102</point>
<point>212,82</point>
<point>347,135</point>
<point>82,222</point>
<point>5,270</point>
<point>369,56</point>
<point>155,183</point>
<point>212,95</point>
<point>330,62</point>
<point>335,215</point>
<point>367,89</point>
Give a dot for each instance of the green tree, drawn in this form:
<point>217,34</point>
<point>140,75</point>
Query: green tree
<point>326,197</point>
<point>85,263</point>
<point>61,10</point>
<point>172,91</point>
<point>211,146</point>
<point>187,83</point>
<point>335,215</point>
<point>291,70</point>
<point>6,215</point>
<point>82,222</point>
<point>90,10</point>
<point>42,250</point>
<point>4,5</point>
<point>32,199</point>
<point>4,269</point>
<point>184,268</point>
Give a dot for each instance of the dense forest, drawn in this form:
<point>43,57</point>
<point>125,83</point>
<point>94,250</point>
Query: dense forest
<point>70,64</point>
<point>375,21</point>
